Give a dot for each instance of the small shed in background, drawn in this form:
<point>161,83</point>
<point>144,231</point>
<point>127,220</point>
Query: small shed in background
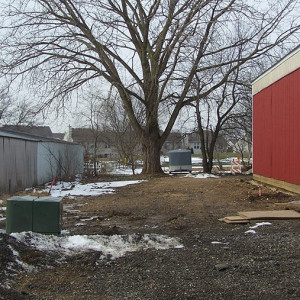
<point>276,124</point>
<point>27,160</point>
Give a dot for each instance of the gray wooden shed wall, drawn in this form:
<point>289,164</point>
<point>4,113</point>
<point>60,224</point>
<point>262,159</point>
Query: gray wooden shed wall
<point>26,163</point>
<point>51,154</point>
<point>18,164</point>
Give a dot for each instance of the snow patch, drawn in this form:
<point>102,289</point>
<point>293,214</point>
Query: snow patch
<point>256,226</point>
<point>260,224</point>
<point>201,176</point>
<point>26,267</point>
<point>126,171</point>
<point>89,219</point>
<point>219,243</point>
<point>110,246</point>
<point>63,189</point>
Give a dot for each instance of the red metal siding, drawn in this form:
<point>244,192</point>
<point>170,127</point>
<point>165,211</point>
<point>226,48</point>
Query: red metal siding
<point>262,133</point>
<point>276,130</point>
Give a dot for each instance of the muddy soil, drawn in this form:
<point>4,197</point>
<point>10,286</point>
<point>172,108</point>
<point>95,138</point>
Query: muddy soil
<point>218,260</point>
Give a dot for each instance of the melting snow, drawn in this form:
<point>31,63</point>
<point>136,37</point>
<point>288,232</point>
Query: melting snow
<point>256,226</point>
<point>90,189</point>
<point>114,246</point>
<point>25,266</point>
<point>201,175</point>
<point>260,224</point>
<point>126,171</point>
<point>219,243</point>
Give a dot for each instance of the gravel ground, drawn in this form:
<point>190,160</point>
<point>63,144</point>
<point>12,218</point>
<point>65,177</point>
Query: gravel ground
<point>218,260</point>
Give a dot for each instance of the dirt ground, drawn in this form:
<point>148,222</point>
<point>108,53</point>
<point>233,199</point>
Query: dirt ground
<point>264,265</point>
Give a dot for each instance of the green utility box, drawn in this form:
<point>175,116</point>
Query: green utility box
<point>19,214</point>
<point>47,215</point>
<point>42,215</point>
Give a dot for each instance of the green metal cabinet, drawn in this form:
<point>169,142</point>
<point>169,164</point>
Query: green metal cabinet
<point>42,215</point>
<point>47,214</point>
<point>19,214</point>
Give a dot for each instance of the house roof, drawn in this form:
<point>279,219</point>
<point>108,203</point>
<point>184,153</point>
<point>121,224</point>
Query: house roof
<point>42,131</point>
<point>83,135</point>
<point>28,137</point>
<point>59,136</point>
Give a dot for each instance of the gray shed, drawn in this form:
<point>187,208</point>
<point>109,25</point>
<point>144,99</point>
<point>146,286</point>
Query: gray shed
<point>27,160</point>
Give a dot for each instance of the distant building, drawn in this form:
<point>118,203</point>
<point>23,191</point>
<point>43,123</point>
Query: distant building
<point>174,141</point>
<point>28,160</point>
<point>59,136</point>
<point>193,142</point>
<point>95,143</point>
<point>241,145</point>
<point>44,131</point>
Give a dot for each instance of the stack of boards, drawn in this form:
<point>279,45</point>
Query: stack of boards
<point>247,216</point>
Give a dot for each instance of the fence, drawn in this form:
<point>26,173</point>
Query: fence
<point>101,167</point>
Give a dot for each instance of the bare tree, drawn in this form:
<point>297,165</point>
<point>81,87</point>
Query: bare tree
<point>150,51</point>
<point>93,114</point>
<point>15,112</point>
<point>5,103</point>
<point>120,134</point>
<point>239,125</point>
<point>220,114</point>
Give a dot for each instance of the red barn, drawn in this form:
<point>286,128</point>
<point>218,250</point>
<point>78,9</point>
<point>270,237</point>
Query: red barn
<point>276,124</point>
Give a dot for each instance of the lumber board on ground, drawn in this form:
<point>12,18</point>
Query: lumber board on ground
<point>294,205</point>
<point>270,214</point>
<point>235,220</point>
<point>295,188</point>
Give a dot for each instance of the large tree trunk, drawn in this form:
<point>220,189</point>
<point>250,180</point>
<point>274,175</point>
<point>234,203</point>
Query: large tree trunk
<point>151,144</point>
<point>211,148</point>
<point>151,153</point>
<point>207,159</point>
<point>205,163</point>
<point>207,146</point>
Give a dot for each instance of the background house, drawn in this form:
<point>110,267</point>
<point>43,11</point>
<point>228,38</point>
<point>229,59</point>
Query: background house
<point>44,131</point>
<point>174,141</point>
<point>193,142</point>
<point>27,160</point>
<point>96,143</point>
<point>276,126</point>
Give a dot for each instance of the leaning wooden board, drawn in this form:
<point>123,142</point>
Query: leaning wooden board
<point>269,214</point>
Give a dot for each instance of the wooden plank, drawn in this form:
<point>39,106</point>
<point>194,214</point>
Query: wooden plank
<point>289,205</point>
<point>242,221</point>
<point>235,220</point>
<point>295,188</point>
<point>270,214</point>
<point>295,203</point>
